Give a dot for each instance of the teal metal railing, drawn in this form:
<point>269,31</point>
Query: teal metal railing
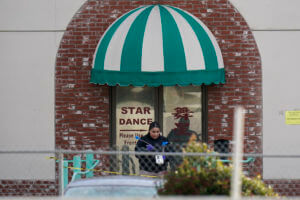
<point>248,160</point>
<point>91,163</point>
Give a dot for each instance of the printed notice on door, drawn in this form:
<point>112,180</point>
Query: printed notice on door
<point>292,117</point>
<point>134,113</point>
<point>133,121</point>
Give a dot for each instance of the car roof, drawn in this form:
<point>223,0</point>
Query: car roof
<point>117,180</point>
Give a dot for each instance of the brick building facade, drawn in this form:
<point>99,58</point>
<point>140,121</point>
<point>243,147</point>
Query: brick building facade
<point>83,109</point>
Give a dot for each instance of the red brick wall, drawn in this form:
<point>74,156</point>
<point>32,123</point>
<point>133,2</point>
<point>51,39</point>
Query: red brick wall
<point>285,187</point>
<point>28,188</point>
<point>82,111</point>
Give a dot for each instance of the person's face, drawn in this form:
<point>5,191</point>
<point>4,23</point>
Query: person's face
<point>154,132</point>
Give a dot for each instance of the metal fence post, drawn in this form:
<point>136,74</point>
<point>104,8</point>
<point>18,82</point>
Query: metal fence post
<point>61,174</point>
<point>238,152</point>
<point>89,163</point>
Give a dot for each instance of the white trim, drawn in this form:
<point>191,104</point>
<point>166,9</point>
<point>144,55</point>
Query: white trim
<point>152,54</point>
<point>212,39</point>
<point>152,51</point>
<point>192,49</point>
<point>97,48</point>
<point>113,54</point>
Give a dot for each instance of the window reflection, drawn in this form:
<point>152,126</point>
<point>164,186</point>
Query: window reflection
<point>182,114</point>
<point>134,112</point>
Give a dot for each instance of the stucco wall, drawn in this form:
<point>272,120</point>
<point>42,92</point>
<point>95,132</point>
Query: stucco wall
<point>30,32</point>
<point>276,28</point>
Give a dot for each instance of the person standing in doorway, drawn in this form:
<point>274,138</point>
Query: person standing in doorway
<point>152,165</point>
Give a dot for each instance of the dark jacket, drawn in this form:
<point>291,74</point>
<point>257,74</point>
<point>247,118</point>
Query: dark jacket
<point>147,162</point>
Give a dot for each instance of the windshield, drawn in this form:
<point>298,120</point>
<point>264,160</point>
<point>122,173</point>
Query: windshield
<point>111,191</point>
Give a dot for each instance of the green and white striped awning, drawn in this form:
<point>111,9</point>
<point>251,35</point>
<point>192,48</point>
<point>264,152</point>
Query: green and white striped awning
<point>157,45</point>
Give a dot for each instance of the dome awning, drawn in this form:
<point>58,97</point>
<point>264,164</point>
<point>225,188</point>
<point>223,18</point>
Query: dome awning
<point>157,45</point>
